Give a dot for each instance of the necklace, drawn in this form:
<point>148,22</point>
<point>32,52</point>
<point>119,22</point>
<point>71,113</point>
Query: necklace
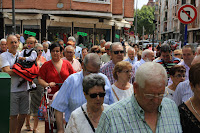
<point>194,108</point>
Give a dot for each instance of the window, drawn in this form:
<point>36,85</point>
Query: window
<point>193,3</point>
<point>95,1</point>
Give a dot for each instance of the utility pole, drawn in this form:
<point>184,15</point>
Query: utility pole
<point>136,22</point>
<point>13,17</point>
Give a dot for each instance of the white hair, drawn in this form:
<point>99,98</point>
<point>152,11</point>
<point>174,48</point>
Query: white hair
<point>108,43</point>
<point>69,46</point>
<point>131,48</point>
<point>38,45</point>
<point>114,44</point>
<point>151,72</point>
<point>45,43</point>
<point>2,40</point>
<point>72,39</point>
<point>146,52</point>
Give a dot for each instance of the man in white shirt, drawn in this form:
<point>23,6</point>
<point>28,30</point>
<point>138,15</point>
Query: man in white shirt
<point>147,56</point>
<point>106,57</point>
<point>46,53</point>
<point>19,97</point>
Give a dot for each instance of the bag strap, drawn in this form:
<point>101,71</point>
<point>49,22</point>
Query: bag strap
<point>88,119</point>
<point>115,94</point>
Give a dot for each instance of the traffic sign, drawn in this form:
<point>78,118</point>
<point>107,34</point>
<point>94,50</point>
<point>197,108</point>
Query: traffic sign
<point>187,13</point>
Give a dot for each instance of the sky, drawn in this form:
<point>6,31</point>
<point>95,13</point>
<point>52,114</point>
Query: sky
<point>140,3</point>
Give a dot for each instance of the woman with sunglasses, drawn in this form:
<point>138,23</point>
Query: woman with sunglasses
<point>53,72</point>
<point>122,73</point>
<point>96,49</point>
<point>190,110</point>
<point>85,119</point>
<point>177,75</point>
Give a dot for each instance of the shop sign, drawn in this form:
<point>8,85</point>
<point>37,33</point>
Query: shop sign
<point>117,36</point>
<point>30,33</point>
<point>82,33</point>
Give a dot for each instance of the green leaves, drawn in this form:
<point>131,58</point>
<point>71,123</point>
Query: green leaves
<point>145,17</point>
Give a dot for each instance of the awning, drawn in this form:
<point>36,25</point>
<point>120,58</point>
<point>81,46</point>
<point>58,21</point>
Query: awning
<point>73,19</point>
<point>123,23</point>
<point>23,16</point>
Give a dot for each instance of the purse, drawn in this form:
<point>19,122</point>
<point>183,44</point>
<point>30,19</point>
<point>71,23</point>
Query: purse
<point>42,111</point>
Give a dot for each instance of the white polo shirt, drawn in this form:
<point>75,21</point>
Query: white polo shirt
<point>8,59</point>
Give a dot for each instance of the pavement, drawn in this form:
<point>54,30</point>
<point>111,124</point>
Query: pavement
<point>41,127</point>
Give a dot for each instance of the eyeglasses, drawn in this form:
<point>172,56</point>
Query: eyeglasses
<point>12,42</point>
<point>180,76</point>
<point>117,52</point>
<point>127,71</point>
<point>94,95</point>
<point>97,51</point>
<point>151,96</point>
<point>40,50</point>
<point>107,49</point>
<point>176,54</point>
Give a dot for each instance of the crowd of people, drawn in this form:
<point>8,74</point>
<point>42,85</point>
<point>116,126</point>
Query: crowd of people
<point>102,89</point>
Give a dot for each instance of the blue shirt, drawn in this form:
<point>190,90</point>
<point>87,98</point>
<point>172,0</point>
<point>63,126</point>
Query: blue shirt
<point>183,92</point>
<point>71,94</point>
<point>131,61</point>
<point>126,116</point>
<point>138,63</point>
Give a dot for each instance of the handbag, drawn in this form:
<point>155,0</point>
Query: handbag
<point>42,111</point>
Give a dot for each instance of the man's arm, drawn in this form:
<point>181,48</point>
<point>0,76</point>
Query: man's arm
<point>59,121</point>
<point>8,70</point>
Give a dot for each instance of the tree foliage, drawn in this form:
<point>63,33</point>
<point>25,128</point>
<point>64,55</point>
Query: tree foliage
<point>145,17</point>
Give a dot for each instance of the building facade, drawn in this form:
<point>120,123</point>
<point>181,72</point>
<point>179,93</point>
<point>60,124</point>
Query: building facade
<point>168,24</point>
<point>88,20</point>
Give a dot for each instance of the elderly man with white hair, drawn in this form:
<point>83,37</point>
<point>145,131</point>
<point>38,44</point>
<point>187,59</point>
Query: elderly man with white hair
<point>69,55</point>
<point>78,50</point>
<point>147,56</point>
<point>3,46</point>
<point>46,53</point>
<point>198,51</point>
<point>148,110</point>
<point>131,56</point>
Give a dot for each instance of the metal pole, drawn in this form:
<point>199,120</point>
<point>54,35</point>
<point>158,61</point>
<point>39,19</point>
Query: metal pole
<point>185,38</point>
<point>13,16</point>
<point>136,22</point>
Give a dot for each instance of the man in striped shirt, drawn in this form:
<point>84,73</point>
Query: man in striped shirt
<point>147,111</point>
<point>167,60</point>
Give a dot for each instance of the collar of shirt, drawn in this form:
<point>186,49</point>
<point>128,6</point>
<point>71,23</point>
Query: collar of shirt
<point>12,54</point>
<point>139,110</point>
<point>142,61</point>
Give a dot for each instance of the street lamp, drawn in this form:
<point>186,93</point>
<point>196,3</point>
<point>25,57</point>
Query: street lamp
<point>13,17</point>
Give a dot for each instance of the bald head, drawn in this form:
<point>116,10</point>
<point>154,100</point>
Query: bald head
<point>196,60</point>
<point>12,43</point>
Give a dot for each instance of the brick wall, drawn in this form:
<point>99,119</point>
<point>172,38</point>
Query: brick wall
<point>117,7</point>
<point>129,8</point>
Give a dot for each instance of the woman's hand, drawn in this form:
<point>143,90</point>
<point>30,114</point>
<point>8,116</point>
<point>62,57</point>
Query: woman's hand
<point>22,58</point>
<point>52,84</point>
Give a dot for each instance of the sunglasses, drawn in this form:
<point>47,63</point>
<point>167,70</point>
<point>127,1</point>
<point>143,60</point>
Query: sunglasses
<point>94,95</point>
<point>117,52</point>
<point>107,49</point>
<point>40,50</point>
<point>97,51</point>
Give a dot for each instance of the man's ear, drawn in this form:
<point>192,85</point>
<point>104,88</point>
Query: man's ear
<point>135,87</point>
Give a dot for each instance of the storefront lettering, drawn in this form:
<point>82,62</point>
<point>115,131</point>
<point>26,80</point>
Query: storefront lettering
<point>30,33</point>
<point>81,33</point>
<point>117,36</point>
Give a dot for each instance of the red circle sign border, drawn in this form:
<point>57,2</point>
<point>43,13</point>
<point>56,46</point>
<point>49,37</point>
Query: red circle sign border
<point>179,12</point>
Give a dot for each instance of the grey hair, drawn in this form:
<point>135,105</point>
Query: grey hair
<point>145,52</point>
<point>92,80</point>
<point>108,43</point>
<point>45,43</point>
<point>131,48</point>
<point>92,58</point>
<point>114,44</point>
<point>3,40</point>
<point>101,41</point>
<point>60,40</point>
<point>72,39</point>
<point>38,45</point>
<point>69,46</point>
<point>150,72</point>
